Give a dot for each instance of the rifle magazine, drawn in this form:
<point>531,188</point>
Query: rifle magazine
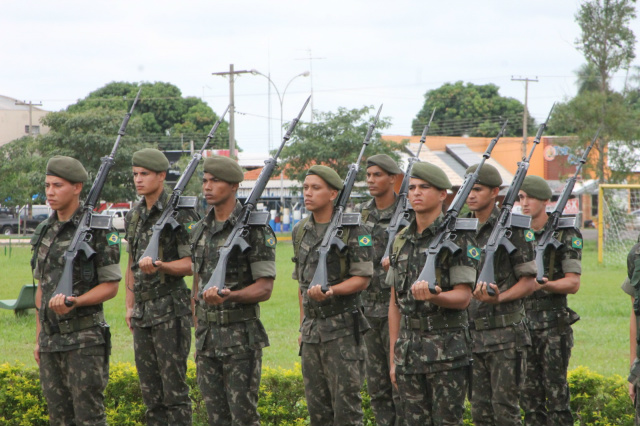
<point>466,224</point>
<point>187,202</point>
<point>258,218</point>
<point>568,222</point>
<point>520,221</point>
<point>100,221</point>
<point>350,219</point>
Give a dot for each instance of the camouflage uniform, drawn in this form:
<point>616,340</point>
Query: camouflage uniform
<point>230,337</point>
<point>631,286</point>
<point>500,335</point>
<point>161,318</point>
<point>385,400</point>
<point>545,397</point>
<point>332,351</point>
<point>433,349</point>
<point>74,348</point>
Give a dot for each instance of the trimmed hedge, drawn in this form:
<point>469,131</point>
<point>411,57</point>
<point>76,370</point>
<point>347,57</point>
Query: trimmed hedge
<point>595,400</point>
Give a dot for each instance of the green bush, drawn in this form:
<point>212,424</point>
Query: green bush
<point>595,400</point>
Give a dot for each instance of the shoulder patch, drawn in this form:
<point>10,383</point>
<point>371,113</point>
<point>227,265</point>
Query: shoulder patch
<point>529,235</point>
<point>190,226</point>
<point>473,252</point>
<point>113,238</point>
<point>576,242</point>
<point>365,241</point>
<point>270,240</point>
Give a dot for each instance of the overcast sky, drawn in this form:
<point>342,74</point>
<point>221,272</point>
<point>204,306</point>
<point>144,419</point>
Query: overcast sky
<point>363,52</point>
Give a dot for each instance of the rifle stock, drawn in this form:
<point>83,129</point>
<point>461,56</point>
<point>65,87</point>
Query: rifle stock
<point>241,229</point>
<point>79,242</point>
<point>333,234</point>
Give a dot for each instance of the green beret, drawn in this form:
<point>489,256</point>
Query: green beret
<point>224,168</point>
<point>488,176</point>
<point>328,175</point>
<point>151,159</point>
<point>431,173</point>
<point>536,187</point>
<point>67,168</point>
<point>385,162</point>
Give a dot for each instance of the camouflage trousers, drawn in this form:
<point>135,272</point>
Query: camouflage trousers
<point>385,400</point>
<point>333,374</point>
<point>161,353</point>
<point>545,396</point>
<point>497,382</point>
<point>434,399</point>
<point>73,383</point>
<point>634,378</point>
<point>229,387</point>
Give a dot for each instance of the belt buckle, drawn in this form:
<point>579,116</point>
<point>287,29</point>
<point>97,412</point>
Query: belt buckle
<point>65,327</point>
<point>223,317</point>
<point>485,323</point>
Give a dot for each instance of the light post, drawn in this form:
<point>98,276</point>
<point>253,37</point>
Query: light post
<point>281,99</point>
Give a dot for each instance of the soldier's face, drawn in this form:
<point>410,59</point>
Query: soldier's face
<point>60,192</point>
<point>317,193</point>
<point>481,197</point>
<point>424,197</point>
<point>532,206</point>
<point>379,181</point>
<point>147,181</point>
<point>217,191</point>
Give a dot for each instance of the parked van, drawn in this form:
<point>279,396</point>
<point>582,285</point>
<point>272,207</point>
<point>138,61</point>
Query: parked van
<point>118,216</point>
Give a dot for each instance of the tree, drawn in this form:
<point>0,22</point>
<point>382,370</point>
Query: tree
<point>473,110</point>
<point>23,171</point>
<point>589,79</point>
<point>335,140</point>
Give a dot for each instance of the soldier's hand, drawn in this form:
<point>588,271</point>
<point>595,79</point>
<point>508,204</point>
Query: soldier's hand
<point>392,374</point>
<point>316,293</point>
<point>36,353</point>
<point>632,392</point>
<point>146,265</point>
<point>212,297</point>
<point>386,263</point>
<point>480,293</point>
<point>420,290</point>
<point>56,304</point>
<point>127,318</point>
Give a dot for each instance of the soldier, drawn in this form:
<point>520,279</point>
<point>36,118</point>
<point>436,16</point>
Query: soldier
<point>331,323</point>
<point>229,333</point>
<point>376,215</point>
<point>545,397</point>
<point>500,335</point>
<point>430,343</point>
<point>73,342</point>
<point>157,298</point>
<point>631,286</point>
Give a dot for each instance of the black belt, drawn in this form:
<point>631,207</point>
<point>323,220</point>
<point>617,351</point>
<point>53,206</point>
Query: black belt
<point>337,307</point>
<point>435,322</point>
<point>228,316</point>
<point>381,296</point>
<point>74,324</point>
<point>154,293</point>
<point>498,321</point>
<point>546,304</point>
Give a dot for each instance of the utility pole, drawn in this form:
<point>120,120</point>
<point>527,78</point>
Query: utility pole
<point>310,59</point>
<point>232,137</point>
<point>31,105</point>
<point>524,114</point>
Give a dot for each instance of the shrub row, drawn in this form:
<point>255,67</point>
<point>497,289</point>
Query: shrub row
<point>595,400</point>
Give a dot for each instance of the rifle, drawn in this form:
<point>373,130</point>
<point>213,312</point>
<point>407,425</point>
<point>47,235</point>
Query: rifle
<point>445,237</point>
<point>178,201</point>
<point>248,216</point>
<point>555,221</point>
<point>89,220</point>
<point>506,219</point>
<point>339,219</point>
<point>399,218</point>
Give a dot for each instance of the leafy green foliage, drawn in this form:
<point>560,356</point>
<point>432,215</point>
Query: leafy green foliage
<point>334,140</point>
<point>469,109</point>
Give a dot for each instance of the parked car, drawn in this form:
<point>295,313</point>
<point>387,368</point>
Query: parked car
<point>118,216</point>
<point>9,225</point>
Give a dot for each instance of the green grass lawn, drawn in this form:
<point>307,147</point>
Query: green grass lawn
<point>601,336</point>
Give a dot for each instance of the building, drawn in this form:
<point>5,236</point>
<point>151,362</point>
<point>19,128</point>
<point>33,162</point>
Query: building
<point>18,117</point>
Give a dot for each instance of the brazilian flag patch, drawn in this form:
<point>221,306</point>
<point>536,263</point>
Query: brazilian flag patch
<point>189,226</point>
<point>576,242</point>
<point>529,235</point>
<point>113,238</point>
<point>270,241</point>
<point>473,252</point>
<point>365,241</point>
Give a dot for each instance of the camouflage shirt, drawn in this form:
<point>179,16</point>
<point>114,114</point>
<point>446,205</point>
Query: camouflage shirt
<point>243,269</point>
<point>355,261</point>
<point>375,298</point>
<point>509,269</point>
<point>423,351</point>
<point>103,267</point>
<point>566,259</point>
<point>174,245</point>
<point>631,286</point>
